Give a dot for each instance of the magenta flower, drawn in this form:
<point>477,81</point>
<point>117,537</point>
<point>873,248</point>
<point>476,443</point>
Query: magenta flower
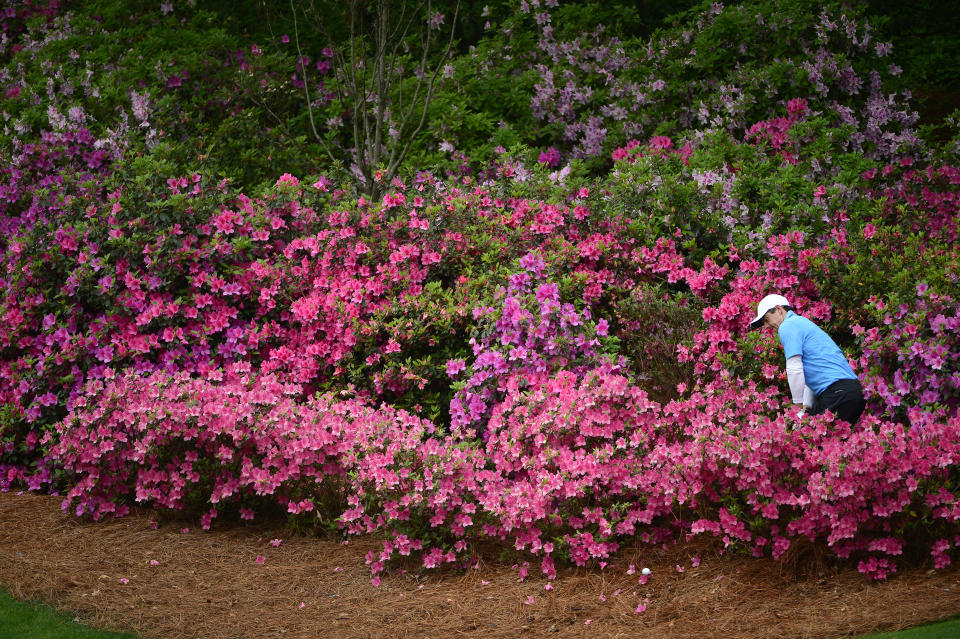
<point>548,292</point>
<point>454,366</point>
<point>550,157</point>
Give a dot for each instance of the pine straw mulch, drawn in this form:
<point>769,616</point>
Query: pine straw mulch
<point>209,585</point>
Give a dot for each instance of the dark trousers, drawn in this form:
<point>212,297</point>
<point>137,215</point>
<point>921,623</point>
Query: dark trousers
<point>843,398</point>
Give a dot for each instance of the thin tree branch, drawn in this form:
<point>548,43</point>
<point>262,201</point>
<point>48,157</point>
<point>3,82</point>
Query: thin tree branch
<point>395,162</point>
<point>306,85</point>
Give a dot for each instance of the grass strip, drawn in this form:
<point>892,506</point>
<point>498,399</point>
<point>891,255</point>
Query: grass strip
<point>31,620</point>
<point>946,629</point>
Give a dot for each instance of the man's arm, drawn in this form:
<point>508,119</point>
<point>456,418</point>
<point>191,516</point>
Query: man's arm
<point>799,391</point>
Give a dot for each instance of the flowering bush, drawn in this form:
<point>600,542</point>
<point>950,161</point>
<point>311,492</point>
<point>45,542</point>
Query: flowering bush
<point>526,353</point>
<point>571,467</point>
<point>909,358</point>
<point>530,335</point>
<point>718,68</point>
<point>240,443</point>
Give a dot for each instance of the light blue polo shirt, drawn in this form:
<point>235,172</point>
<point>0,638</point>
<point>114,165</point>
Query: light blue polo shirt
<point>823,361</point>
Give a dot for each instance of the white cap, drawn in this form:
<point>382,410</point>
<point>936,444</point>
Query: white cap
<point>770,301</point>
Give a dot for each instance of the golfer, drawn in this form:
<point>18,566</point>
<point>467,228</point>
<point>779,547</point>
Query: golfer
<point>817,371</point>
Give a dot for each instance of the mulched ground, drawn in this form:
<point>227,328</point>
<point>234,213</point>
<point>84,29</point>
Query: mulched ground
<point>209,585</point>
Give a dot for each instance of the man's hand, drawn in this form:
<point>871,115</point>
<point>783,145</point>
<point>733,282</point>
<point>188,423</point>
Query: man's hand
<point>795,413</point>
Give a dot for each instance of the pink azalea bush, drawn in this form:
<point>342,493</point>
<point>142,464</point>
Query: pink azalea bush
<point>528,355</point>
<point>572,467</point>
<point>558,404</point>
<point>311,286</point>
<point>532,334</point>
<point>909,358</point>
<point>234,443</point>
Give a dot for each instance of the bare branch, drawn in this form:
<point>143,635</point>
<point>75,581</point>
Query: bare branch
<point>399,40</point>
<point>369,76</point>
<point>306,85</point>
<point>396,160</point>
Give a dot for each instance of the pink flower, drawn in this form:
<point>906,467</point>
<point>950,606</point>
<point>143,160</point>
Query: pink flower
<point>548,292</point>
<point>393,346</point>
<point>869,230</point>
<point>261,559</point>
<point>287,179</point>
<point>796,106</point>
<point>454,366</point>
<point>436,20</point>
<point>550,157</point>
<point>602,327</point>
<point>660,142</point>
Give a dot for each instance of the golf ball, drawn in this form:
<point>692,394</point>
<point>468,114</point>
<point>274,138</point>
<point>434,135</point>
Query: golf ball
<point>645,571</point>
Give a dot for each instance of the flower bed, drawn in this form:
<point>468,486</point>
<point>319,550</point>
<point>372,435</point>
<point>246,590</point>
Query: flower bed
<point>538,356</point>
